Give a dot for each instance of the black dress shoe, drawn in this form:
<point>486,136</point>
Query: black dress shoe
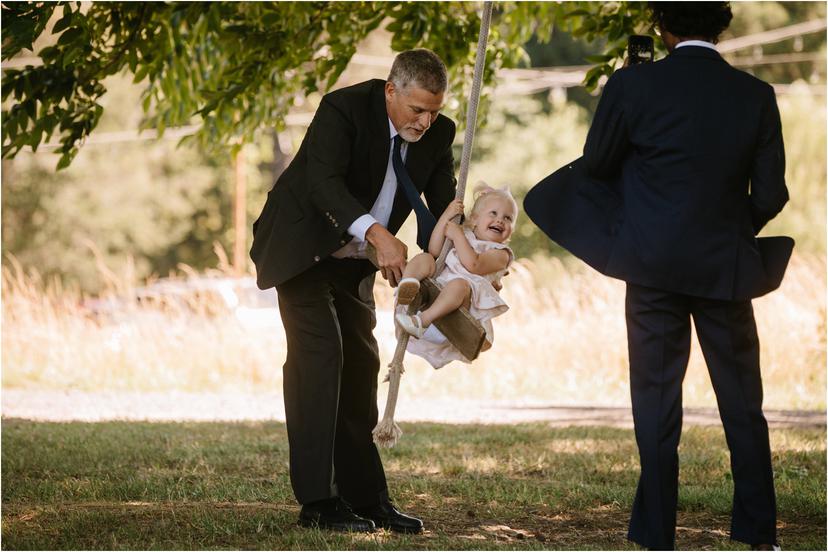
<point>386,516</point>
<point>335,515</point>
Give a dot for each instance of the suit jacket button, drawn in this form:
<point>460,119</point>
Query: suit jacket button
<point>316,258</point>
<point>341,242</point>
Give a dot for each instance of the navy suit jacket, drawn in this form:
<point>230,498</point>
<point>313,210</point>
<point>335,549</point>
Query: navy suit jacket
<point>336,177</point>
<point>683,165</point>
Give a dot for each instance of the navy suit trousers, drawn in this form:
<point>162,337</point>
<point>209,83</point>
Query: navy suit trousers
<point>658,332</point>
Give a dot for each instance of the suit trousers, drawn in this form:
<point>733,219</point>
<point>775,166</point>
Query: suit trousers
<point>330,383</point>
<point>658,334</point>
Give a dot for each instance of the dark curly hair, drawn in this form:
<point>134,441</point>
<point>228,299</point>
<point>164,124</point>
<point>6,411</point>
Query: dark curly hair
<point>685,19</point>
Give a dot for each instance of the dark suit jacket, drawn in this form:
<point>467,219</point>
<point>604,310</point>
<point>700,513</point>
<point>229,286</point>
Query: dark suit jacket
<point>683,165</point>
<point>335,178</point>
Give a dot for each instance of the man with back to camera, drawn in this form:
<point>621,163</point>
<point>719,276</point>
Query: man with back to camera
<point>682,167</point>
<point>370,151</point>
<point>699,146</point>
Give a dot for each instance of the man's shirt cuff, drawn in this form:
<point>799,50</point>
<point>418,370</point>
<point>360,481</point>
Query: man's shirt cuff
<point>360,226</point>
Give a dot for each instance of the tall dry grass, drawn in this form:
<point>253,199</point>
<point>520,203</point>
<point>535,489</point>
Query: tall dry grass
<point>51,340</point>
<point>562,342</point>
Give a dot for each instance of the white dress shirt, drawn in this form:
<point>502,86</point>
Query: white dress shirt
<point>702,43</point>
<point>381,210</point>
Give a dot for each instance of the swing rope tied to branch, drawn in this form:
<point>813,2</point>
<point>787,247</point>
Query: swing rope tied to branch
<point>387,432</point>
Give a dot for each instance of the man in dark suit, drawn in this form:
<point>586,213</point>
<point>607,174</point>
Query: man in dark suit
<point>369,153</point>
<point>683,166</point>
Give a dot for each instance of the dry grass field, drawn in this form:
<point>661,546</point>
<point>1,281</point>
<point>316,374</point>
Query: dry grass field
<point>563,341</point>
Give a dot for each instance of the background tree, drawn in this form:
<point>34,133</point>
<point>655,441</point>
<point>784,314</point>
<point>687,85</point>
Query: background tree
<point>163,206</point>
<point>237,67</point>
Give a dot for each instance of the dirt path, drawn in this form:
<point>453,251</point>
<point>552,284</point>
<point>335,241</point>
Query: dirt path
<point>236,406</point>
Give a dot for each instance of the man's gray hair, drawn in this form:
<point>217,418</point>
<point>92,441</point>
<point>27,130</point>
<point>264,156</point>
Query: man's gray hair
<point>420,67</point>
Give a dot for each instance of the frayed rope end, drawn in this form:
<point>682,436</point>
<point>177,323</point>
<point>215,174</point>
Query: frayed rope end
<point>387,433</point>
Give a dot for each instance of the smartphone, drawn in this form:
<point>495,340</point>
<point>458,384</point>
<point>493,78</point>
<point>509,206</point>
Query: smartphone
<point>640,49</point>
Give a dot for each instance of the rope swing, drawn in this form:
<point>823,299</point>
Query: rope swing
<point>387,432</point>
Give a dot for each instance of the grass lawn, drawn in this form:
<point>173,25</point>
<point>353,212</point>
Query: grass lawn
<point>121,485</point>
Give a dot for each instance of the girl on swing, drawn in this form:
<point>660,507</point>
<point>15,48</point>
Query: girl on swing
<point>479,257</point>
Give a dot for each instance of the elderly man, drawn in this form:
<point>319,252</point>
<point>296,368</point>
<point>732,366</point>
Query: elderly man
<point>369,153</point>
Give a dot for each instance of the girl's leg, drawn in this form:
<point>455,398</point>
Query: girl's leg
<point>421,266</point>
<point>454,294</point>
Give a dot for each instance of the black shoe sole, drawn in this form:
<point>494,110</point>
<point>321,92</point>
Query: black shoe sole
<point>312,524</point>
<point>399,529</point>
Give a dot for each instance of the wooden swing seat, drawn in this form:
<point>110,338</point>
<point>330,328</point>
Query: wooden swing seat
<point>460,328</point>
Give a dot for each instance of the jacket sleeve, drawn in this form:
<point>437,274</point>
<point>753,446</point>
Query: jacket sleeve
<point>768,193</point>
<point>442,185</point>
<point>607,142</point>
<point>330,140</point>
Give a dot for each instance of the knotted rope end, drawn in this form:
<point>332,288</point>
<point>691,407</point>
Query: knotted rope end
<point>394,367</point>
<point>387,433</point>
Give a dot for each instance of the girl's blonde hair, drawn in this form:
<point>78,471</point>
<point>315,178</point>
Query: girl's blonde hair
<point>484,191</point>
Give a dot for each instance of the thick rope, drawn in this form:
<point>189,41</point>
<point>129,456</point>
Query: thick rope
<point>387,432</point>
<point>471,120</point>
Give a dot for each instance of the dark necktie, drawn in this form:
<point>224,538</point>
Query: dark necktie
<point>425,220</point>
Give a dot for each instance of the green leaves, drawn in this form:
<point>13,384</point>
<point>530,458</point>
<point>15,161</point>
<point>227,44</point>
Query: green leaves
<point>70,36</point>
<point>22,23</point>
<point>234,68</point>
<point>62,94</point>
<point>599,59</point>
<point>609,22</point>
<point>64,22</point>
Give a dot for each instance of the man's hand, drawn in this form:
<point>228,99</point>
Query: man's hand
<point>391,253</point>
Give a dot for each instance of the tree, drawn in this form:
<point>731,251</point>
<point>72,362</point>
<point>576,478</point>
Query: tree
<point>236,67</point>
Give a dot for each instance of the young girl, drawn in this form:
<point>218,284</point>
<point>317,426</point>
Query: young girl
<point>479,257</point>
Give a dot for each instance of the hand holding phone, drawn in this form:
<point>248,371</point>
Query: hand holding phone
<point>640,49</point>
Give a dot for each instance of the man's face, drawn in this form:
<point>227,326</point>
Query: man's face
<point>412,110</point>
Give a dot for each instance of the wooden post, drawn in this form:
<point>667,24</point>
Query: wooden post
<point>240,216</point>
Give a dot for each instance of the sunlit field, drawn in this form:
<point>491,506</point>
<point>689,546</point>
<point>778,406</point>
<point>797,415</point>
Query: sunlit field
<point>563,341</point>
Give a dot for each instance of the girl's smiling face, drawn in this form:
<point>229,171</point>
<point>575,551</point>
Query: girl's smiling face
<point>494,218</point>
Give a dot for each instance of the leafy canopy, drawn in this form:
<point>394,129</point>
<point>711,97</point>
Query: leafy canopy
<point>234,68</point>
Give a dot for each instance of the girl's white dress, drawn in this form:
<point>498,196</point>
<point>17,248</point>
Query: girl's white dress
<point>485,304</point>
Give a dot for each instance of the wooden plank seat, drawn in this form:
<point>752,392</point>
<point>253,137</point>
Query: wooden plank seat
<point>460,328</point>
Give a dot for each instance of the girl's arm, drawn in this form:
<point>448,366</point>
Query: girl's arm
<point>438,235</point>
<point>476,263</point>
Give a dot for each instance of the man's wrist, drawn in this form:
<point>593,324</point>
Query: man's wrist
<point>374,233</point>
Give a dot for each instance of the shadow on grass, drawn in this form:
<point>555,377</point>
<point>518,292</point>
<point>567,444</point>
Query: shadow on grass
<point>120,485</point>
